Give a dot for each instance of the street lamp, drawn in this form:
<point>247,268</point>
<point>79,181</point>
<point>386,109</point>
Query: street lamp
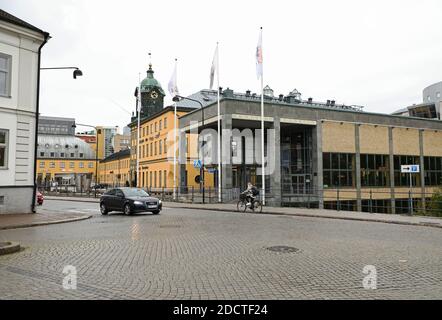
<point>178,98</point>
<point>77,72</point>
<point>96,154</point>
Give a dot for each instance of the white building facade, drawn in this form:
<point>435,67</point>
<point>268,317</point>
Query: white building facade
<point>20,48</point>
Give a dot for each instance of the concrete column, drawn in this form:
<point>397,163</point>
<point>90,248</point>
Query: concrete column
<point>391,157</point>
<point>319,164</point>
<point>422,167</point>
<point>358,168</point>
<point>275,176</point>
<point>226,167</point>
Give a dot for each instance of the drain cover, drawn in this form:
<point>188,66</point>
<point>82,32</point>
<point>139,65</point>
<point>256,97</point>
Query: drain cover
<point>283,249</point>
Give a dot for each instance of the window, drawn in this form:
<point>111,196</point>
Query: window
<point>165,145</point>
<point>5,75</point>
<point>62,155</point>
<point>160,147</point>
<point>160,180</point>
<point>81,155</point>
<point>42,164</point>
<point>72,155</point>
<point>52,154</point>
<point>438,95</point>
<point>71,165</point>
<point>3,148</point>
<point>51,164</point>
<point>90,165</point>
<point>156,148</point>
<point>42,154</point>
<point>81,165</point>
<point>161,124</point>
<point>165,123</point>
<point>156,126</point>
<point>375,170</point>
<point>62,165</point>
<point>151,149</point>
<point>433,171</point>
<point>165,179</point>
<point>338,169</point>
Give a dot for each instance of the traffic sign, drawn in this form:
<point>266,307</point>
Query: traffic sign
<point>197,164</point>
<point>414,168</point>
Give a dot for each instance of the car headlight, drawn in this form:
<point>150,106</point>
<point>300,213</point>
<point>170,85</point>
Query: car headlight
<point>138,203</point>
<point>160,202</point>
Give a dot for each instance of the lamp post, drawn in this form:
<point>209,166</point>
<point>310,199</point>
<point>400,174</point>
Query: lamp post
<point>178,98</point>
<point>77,72</point>
<point>96,153</point>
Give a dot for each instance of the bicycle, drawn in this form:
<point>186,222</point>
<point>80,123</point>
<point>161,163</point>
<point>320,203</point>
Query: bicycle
<point>242,206</point>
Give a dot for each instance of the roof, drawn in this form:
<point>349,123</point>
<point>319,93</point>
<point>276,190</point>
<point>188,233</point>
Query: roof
<point>64,143</point>
<point>116,156</point>
<point>206,97</point>
<point>150,82</point>
<point>155,115</point>
<point>5,16</point>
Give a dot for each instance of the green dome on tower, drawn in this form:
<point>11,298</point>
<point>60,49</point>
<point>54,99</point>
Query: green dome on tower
<point>150,82</point>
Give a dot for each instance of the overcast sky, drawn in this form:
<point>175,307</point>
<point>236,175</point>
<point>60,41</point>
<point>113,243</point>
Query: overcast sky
<point>379,54</point>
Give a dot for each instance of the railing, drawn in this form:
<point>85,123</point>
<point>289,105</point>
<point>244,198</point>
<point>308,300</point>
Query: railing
<point>371,200</point>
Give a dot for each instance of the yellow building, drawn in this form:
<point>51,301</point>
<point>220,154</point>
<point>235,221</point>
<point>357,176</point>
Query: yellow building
<point>64,161</point>
<point>156,150</point>
<point>114,170</point>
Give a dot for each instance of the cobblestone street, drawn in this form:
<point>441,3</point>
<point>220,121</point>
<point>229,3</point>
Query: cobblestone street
<point>195,254</point>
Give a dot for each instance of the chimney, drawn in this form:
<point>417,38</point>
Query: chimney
<point>310,100</point>
<point>221,90</point>
<point>328,102</point>
<point>281,97</point>
<point>333,103</point>
<point>248,93</point>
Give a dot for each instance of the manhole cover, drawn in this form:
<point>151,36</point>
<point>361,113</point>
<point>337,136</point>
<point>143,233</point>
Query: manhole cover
<point>283,249</point>
<point>170,226</point>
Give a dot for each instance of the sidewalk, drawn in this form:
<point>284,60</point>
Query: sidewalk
<point>311,213</point>
<point>14,221</point>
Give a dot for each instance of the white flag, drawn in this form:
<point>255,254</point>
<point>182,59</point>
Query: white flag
<point>259,56</point>
<point>214,67</point>
<point>173,88</point>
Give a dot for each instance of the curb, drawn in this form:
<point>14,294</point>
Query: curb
<point>39,224</point>
<point>10,247</point>
<point>75,200</point>
<point>421,224</point>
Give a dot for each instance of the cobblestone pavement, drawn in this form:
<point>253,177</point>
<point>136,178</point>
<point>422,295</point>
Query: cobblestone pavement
<point>185,254</point>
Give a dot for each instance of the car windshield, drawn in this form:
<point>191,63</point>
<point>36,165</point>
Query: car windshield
<point>135,193</point>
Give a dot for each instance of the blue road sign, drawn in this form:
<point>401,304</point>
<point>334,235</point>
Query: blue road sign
<point>197,164</point>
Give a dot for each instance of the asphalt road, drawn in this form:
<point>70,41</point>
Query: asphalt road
<point>186,254</point>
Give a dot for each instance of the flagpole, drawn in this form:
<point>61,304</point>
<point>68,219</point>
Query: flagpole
<point>138,130</point>
<point>262,134</point>
<point>174,141</point>
<point>219,127</point>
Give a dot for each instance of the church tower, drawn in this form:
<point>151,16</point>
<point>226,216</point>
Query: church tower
<point>152,95</point>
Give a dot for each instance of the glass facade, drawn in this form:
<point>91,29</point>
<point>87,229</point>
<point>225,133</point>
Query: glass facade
<point>403,179</point>
<point>296,161</point>
<point>375,170</point>
<point>433,171</point>
<point>339,170</point>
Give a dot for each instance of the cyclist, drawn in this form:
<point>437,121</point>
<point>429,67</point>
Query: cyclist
<point>251,192</point>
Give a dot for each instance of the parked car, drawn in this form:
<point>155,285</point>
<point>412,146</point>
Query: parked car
<point>129,200</point>
<point>40,198</point>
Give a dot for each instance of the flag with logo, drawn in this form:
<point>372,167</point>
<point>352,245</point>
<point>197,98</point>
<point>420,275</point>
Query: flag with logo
<point>259,56</point>
<point>173,88</point>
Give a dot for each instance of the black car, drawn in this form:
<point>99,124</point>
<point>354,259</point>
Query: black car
<point>129,200</point>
